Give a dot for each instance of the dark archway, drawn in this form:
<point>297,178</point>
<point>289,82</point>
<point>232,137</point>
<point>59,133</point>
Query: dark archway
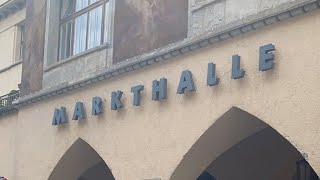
<point>81,162</point>
<point>241,146</point>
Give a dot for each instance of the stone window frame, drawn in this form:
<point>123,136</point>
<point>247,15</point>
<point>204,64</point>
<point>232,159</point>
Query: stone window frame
<point>51,49</point>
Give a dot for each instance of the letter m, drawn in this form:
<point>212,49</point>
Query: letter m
<point>59,116</point>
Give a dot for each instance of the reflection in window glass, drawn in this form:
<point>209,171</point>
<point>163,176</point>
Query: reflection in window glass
<point>65,40</point>
<point>67,8</point>
<point>81,4</point>
<point>93,1</point>
<point>95,19</point>
<point>106,24</point>
<point>21,50</point>
<point>80,33</point>
<point>84,25</point>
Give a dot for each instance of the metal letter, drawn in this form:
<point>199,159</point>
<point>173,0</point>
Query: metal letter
<point>212,79</point>
<point>116,100</point>
<point>59,116</point>
<point>186,82</point>
<point>159,89</point>
<point>136,94</point>
<point>237,73</point>
<point>96,106</point>
<point>78,112</point>
<point>266,57</point>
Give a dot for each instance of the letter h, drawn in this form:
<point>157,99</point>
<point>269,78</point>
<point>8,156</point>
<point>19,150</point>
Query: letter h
<point>159,89</point>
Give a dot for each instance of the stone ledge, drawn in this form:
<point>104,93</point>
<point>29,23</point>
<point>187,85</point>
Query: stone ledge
<point>75,57</point>
<point>173,50</point>
<point>10,66</point>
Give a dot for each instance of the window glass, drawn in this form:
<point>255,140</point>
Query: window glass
<point>106,23</point>
<point>65,40</point>
<point>84,25</point>
<point>80,4</point>
<point>95,27</point>
<point>80,33</point>
<point>22,29</point>
<point>93,1</point>
<point>67,8</point>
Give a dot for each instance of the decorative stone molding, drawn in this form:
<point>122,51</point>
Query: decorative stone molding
<point>11,7</point>
<point>168,52</point>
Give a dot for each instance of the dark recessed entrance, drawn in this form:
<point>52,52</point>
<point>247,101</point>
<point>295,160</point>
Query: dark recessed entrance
<point>239,146</point>
<point>81,162</point>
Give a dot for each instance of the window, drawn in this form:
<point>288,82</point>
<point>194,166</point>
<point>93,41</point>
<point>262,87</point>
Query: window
<point>21,48</point>
<point>19,36</point>
<point>83,26</point>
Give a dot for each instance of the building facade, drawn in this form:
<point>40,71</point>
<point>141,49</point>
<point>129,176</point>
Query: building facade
<point>160,89</point>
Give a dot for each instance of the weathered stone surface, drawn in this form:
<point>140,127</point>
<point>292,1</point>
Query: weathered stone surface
<point>76,69</point>
<point>237,10</point>
<point>199,1</point>
<point>143,25</point>
<point>207,18</point>
<point>32,71</point>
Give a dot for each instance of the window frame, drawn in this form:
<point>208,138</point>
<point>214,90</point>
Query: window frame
<point>19,48</point>
<point>72,17</point>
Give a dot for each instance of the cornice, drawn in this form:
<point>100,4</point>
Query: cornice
<point>171,51</point>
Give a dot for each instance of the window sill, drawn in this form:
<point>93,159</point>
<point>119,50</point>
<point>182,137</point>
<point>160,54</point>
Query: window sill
<point>69,59</point>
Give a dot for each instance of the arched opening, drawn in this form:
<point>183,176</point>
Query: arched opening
<point>81,162</point>
<point>241,146</point>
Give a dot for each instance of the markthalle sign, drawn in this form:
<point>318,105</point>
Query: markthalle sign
<point>159,88</point>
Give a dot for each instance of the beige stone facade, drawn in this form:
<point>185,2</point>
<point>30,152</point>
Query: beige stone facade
<point>10,65</point>
<point>177,138</point>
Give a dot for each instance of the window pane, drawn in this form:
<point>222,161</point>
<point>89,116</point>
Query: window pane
<point>67,8</point>
<point>22,28</point>
<point>93,1</point>
<point>106,24</point>
<point>81,4</point>
<point>65,40</point>
<point>95,21</point>
<point>80,34</point>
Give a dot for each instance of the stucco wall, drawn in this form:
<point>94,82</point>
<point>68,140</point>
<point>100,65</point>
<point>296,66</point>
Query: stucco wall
<point>10,79</point>
<point>7,46</point>
<point>149,141</point>
<point>7,38</point>
<point>8,130</point>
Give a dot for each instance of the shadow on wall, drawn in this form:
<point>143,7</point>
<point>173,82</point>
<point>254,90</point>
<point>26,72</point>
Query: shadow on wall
<point>81,162</point>
<point>241,146</point>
